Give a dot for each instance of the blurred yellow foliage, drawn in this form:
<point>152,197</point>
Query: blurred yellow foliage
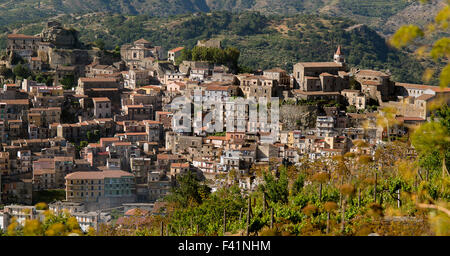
<point>405,35</point>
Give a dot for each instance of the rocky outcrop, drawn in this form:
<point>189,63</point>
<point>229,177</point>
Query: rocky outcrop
<point>59,36</point>
<point>66,57</point>
<point>295,117</point>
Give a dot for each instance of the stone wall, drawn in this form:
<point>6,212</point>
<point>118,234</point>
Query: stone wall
<point>298,117</point>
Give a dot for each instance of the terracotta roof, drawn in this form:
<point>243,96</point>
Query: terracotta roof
<point>163,113</point>
<point>122,143</point>
<point>338,52</point>
<point>104,89</point>
<point>216,138</point>
<point>409,118</point>
<point>320,64</point>
<point>179,165</point>
<point>167,156</point>
<point>315,92</point>
<point>98,175</point>
<point>369,82</point>
<point>22,36</point>
<point>44,171</point>
<point>425,97</point>
<point>97,79</point>
<point>16,102</point>
<point>368,72</point>
<point>142,41</point>
<point>177,49</point>
<point>422,87</point>
<point>217,88</point>
<point>109,139</point>
<point>63,158</point>
<point>101,99</point>
<point>134,106</point>
<point>151,122</point>
<point>279,70</point>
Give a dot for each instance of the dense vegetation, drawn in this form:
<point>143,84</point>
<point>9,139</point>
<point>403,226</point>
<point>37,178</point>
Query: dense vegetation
<point>228,56</point>
<point>14,10</point>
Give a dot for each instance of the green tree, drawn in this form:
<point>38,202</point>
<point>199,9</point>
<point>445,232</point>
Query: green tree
<point>275,188</point>
<point>68,82</point>
<point>188,191</point>
<point>22,71</point>
<point>6,72</point>
<point>100,44</point>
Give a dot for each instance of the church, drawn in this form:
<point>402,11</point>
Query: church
<point>322,76</point>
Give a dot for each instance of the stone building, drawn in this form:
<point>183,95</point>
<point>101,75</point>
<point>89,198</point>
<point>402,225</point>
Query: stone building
<point>322,76</point>
<point>136,52</point>
<point>23,45</point>
<point>416,100</point>
<point>253,86</point>
<point>375,85</point>
<point>211,43</point>
<point>278,74</point>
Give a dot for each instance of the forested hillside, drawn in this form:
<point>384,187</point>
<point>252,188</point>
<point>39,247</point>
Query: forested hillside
<point>264,41</point>
<point>374,13</point>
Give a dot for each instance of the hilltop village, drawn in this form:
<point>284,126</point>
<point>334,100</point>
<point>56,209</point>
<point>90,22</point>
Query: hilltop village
<point>98,125</point>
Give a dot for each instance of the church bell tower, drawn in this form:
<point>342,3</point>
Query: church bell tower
<point>338,57</point>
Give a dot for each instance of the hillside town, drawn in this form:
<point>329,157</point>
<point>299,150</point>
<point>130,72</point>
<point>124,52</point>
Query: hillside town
<point>106,130</point>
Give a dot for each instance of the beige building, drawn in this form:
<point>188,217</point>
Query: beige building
<point>278,74</point>
<point>355,98</point>
<point>102,107</point>
<point>418,101</point>
<point>104,189</point>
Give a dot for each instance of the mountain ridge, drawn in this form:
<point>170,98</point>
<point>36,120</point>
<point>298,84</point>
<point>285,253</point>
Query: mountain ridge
<point>374,13</point>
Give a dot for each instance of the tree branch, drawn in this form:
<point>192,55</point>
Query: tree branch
<point>437,207</point>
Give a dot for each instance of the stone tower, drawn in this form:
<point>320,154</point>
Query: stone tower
<point>338,57</point>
